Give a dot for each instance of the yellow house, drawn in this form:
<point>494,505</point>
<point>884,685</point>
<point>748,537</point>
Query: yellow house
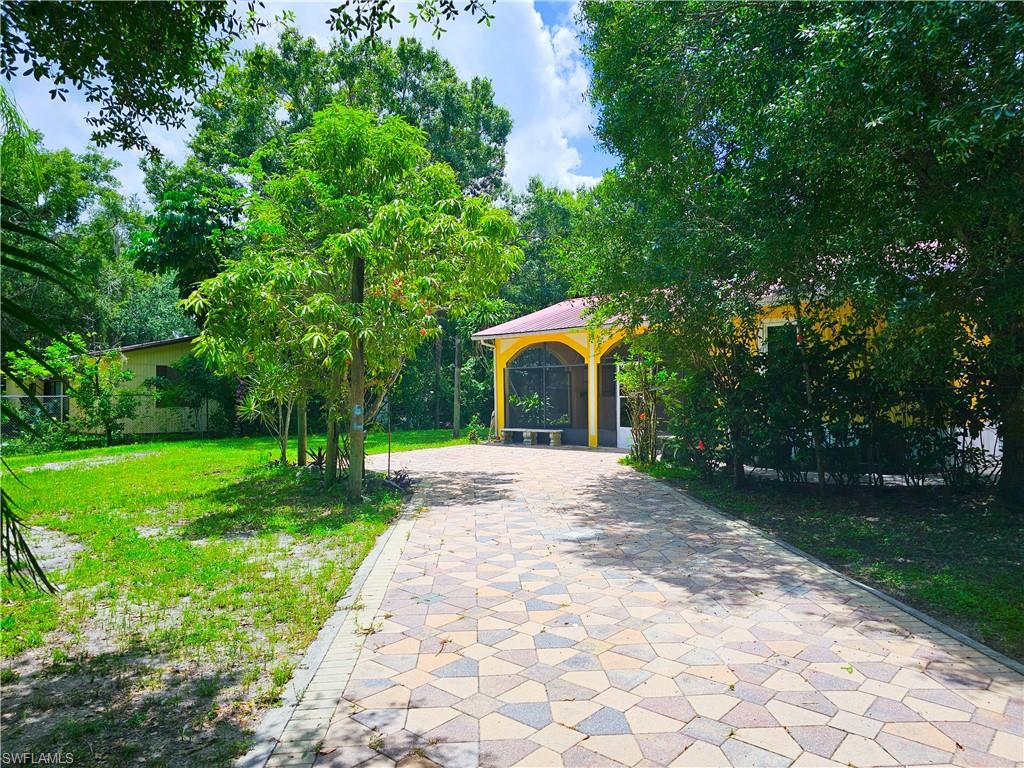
<point>146,361</point>
<point>554,378</point>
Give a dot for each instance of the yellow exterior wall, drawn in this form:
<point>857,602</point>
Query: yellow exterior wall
<point>588,344</point>
<point>593,347</point>
<point>149,419</point>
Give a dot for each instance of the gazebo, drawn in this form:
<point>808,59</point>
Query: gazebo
<point>555,378</point>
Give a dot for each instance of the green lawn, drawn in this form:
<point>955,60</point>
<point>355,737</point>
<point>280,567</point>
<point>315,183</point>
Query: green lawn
<point>958,558</point>
<point>202,575</point>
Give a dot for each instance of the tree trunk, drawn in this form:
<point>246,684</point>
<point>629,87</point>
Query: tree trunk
<point>331,468</point>
<point>437,383</point>
<point>300,427</point>
<point>356,391</point>
<point>333,431</point>
<point>1011,477</point>
<point>816,431</point>
<point>457,398</point>
<point>738,474</point>
<point>284,424</point>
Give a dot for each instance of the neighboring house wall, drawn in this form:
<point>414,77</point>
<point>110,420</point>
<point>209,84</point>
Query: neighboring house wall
<point>150,418</point>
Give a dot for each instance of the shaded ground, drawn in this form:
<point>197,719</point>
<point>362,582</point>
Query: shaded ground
<point>192,577</point>
<point>958,558</point>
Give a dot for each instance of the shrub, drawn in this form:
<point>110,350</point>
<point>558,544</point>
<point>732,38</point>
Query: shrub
<point>475,431</point>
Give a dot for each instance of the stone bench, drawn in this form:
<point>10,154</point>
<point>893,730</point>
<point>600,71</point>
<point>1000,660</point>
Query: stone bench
<point>529,435</point>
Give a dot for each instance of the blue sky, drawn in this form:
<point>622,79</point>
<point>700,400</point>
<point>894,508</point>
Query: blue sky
<point>530,52</point>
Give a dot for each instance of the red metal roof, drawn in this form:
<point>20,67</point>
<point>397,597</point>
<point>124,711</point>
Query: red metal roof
<point>558,317</point>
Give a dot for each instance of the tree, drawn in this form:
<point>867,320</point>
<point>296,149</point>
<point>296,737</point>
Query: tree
<point>545,216</point>
<point>357,17</point>
<point>94,382</point>
<point>65,196</point>
<point>140,62</point>
<point>360,195</point>
<point>464,126</point>
<point>146,62</point>
<point>195,222</point>
<point>148,310</point>
<point>829,152</point>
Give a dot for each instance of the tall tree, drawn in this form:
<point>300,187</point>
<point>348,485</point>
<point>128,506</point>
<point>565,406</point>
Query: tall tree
<point>195,225</point>
<point>545,216</point>
<point>143,62</point>
<point>359,206</point>
<point>273,92</point>
<point>827,152</point>
<point>140,62</point>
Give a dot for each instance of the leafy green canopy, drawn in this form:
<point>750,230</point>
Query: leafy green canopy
<point>140,62</point>
<point>869,153</point>
<point>272,93</point>
<point>75,202</point>
<point>195,225</point>
<point>145,62</point>
<point>354,186</point>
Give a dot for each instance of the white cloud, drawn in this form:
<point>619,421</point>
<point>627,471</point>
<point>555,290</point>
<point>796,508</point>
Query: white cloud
<point>537,72</point>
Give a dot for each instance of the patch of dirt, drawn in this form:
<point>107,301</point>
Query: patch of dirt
<point>126,709</point>
<point>56,466</point>
<point>53,549</point>
<point>94,691</point>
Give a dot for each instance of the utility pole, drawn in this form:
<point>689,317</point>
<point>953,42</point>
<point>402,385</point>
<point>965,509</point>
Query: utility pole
<point>457,404</point>
<point>356,388</point>
<point>437,381</point>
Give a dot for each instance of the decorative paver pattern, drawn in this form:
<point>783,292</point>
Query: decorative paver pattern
<point>555,608</point>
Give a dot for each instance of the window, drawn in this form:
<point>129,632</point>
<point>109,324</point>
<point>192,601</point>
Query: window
<point>780,340</point>
<point>166,399</point>
<point>539,387</point>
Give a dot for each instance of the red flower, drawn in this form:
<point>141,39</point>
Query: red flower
<point>423,331</point>
<point>700,445</point>
<point>799,339</point>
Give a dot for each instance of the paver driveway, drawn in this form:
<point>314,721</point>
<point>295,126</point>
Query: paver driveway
<point>552,607</point>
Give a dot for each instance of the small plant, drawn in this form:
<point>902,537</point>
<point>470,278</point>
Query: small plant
<point>317,459</point>
<point>357,604</point>
<point>207,687</point>
<point>376,742</point>
<point>282,673</point>
<point>475,431</point>
<point>400,479</point>
<point>371,629</point>
<point>8,676</point>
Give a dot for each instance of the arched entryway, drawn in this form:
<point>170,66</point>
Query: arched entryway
<point>546,388</point>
